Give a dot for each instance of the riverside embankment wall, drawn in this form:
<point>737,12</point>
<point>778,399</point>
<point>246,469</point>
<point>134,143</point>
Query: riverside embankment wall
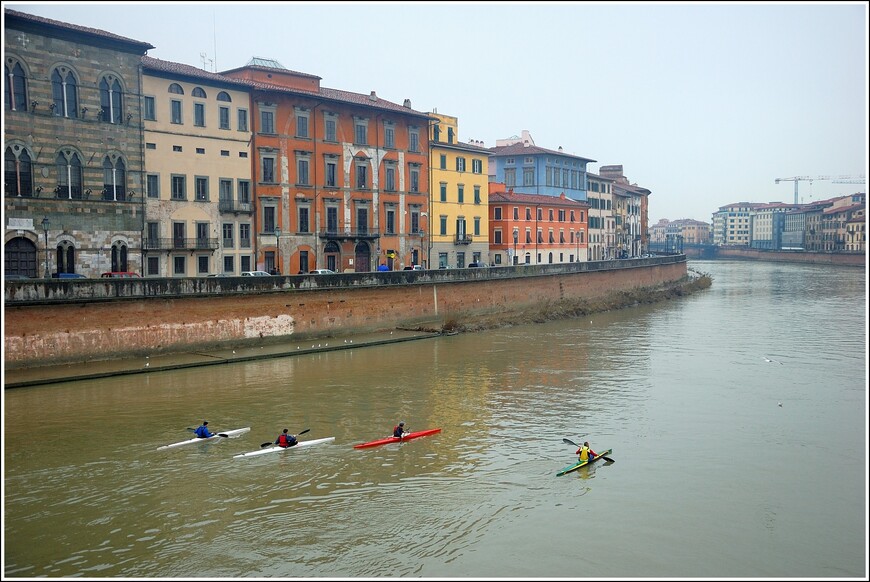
<point>65,321</point>
<point>846,259</point>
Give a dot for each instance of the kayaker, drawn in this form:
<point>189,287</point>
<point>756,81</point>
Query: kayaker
<point>399,430</point>
<point>285,440</point>
<point>203,432</point>
<point>586,454</point>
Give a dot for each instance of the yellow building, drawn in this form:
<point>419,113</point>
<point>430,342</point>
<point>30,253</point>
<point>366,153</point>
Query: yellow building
<point>458,197</point>
<point>198,188</point>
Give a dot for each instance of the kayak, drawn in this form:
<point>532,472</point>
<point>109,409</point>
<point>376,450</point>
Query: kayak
<point>579,464</point>
<point>392,439</point>
<point>277,449</point>
<point>224,434</point>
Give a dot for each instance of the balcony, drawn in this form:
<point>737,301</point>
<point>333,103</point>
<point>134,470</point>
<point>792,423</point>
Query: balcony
<point>463,239</point>
<point>227,206</point>
<point>347,234</point>
<point>180,244</point>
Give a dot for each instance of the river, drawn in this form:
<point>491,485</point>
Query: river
<point>737,419</point>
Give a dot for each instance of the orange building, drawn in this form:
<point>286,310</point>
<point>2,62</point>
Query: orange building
<point>535,229</point>
<point>341,178</point>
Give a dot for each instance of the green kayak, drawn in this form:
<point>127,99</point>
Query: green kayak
<point>579,464</point>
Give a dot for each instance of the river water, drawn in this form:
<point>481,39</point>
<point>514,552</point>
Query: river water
<point>725,464</point>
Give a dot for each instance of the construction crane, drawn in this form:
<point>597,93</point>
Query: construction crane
<point>811,179</point>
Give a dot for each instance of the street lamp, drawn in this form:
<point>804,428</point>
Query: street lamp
<point>45,225</point>
<point>516,236</point>
<point>431,123</point>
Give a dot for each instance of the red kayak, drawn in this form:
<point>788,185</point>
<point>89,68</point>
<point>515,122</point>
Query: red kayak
<point>392,439</point>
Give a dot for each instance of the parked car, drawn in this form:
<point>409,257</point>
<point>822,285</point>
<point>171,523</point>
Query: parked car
<point>471,265</point>
<point>414,268</point>
<point>255,274</point>
<point>68,276</point>
<point>322,272</point>
<point>218,275</point>
<point>125,274</point>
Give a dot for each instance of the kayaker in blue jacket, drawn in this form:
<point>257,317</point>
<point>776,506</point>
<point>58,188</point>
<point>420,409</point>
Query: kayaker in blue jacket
<point>399,430</point>
<point>203,432</point>
<point>285,440</point>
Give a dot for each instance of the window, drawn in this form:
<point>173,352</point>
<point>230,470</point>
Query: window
<point>414,139</point>
<point>361,176</point>
<point>18,172</point>
<point>510,177</point>
<point>360,127</point>
<point>415,222</point>
<point>443,191</point>
<point>150,112</point>
<point>442,225</point>
<point>225,191</point>
<point>391,179</point>
<point>389,136</point>
<point>460,194</point>
<point>561,215</point>
<point>175,111</point>
<point>332,219</point>
<point>69,175</point>
<point>496,212</point>
<point>552,237</point>
<point>302,170</point>
<point>390,227</point>
<point>476,166</point>
<point>301,123</point>
<point>362,220</point>
<point>267,122</point>
<point>243,119</point>
<point>224,117</point>
<point>415,178</point>
<point>303,219</point>
<point>244,187</point>
<point>178,265</point>
<point>200,150</point>
<point>460,164</point>
<point>225,153</point>
<point>476,226</point>
<point>329,127</point>
<point>114,179</point>
<point>497,238</point>
<point>245,237</point>
<point>152,235</point>
<point>199,114</point>
<point>267,167</point>
<point>152,186</point>
<point>528,236</point>
<point>198,92</point>
<point>443,161</point>
<point>516,213</point>
<point>178,187</point>
<point>225,97</point>
<point>111,105</point>
<point>528,177</point>
<point>176,148</point>
<point>229,264</point>
<point>64,89</point>
<point>15,94</point>
<point>528,213</point>
<point>450,135</point>
<point>201,188</point>
<point>477,195</point>
<point>202,264</point>
<point>176,89</point>
<point>269,219</point>
<point>329,179</point>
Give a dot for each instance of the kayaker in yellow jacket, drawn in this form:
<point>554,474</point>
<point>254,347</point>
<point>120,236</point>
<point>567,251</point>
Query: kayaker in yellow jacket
<point>586,454</point>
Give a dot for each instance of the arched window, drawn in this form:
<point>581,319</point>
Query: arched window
<point>65,257</point>
<point>198,92</point>
<point>18,172</point>
<point>64,92</point>
<point>15,87</point>
<point>224,96</point>
<point>119,256</point>
<point>111,99</point>
<point>176,88</point>
<point>114,178</point>
<point>69,175</point>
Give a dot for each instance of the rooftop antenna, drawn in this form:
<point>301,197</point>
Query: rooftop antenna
<point>214,38</point>
<point>204,58</point>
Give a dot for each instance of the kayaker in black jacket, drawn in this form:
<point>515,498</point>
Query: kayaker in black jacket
<point>286,440</point>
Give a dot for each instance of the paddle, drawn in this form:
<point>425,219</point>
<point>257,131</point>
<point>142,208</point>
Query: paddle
<point>270,443</point>
<point>570,442</point>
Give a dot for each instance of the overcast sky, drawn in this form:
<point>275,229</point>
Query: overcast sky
<point>703,104</point>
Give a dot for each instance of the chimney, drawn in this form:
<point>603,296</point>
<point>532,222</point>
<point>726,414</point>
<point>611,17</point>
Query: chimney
<point>526,144</point>
<point>407,103</point>
<point>373,96</point>
<point>560,148</point>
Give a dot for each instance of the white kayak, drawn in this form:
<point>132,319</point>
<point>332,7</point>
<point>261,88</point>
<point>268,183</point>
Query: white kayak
<point>224,434</point>
<point>277,449</point>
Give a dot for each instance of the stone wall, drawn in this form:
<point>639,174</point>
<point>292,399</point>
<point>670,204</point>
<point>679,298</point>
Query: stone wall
<point>850,259</point>
<point>41,333</point>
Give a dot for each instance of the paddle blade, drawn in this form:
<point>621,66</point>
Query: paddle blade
<point>570,442</point>
<point>303,432</point>
<point>264,445</point>
<point>608,459</point>
<point>226,436</point>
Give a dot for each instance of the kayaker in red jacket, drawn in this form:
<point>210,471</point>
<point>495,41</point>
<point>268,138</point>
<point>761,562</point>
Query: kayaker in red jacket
<point>285,440</point>
<point>399,430</point>
<point>586,454</point>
